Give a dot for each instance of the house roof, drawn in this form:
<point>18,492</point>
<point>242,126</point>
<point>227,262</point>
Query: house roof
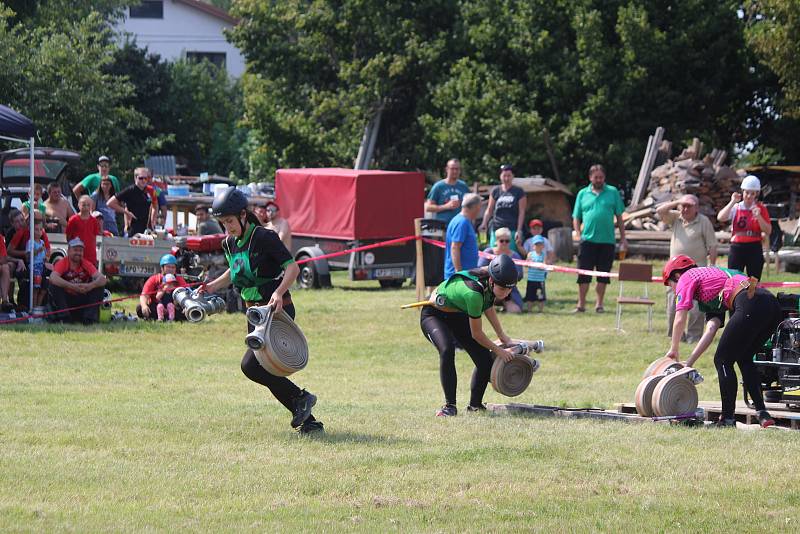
<point>214,11</point>
<point>540,184</point>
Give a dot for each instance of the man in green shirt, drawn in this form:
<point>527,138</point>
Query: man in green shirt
<point>91,182</point>
<point>596,206</point>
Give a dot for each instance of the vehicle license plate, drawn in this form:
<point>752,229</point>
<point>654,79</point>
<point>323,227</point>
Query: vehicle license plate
<point>134,268</point>
<point>389,273</point>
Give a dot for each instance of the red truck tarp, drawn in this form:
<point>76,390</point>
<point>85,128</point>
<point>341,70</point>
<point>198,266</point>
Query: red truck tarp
<point>350,204</point>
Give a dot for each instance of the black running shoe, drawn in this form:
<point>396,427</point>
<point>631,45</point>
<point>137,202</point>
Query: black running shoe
<point>476,409</point>
<point>301,407</point>
<point>765,419</point>
<point>311,429</point>
<point>448,410</point>
<point>723,423</point>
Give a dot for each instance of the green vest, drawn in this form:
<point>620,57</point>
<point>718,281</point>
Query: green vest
<point>467,293</point>
<point>243,275</point>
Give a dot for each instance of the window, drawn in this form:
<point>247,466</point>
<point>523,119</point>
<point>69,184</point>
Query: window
<point>215,58</point>
<point>148,9</point>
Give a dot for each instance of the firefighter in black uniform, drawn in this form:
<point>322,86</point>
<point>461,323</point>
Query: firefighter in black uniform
<point>261,267</point>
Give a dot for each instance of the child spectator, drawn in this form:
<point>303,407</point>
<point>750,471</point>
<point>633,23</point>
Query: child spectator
<point>85,227</point>
<point>536,275</point>
<point>164,298</point>
<point>37,248</point>
<point>37,201</point>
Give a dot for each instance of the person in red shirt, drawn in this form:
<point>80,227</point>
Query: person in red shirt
<point>75,281</point>
<point>148,305</point>
<point>749,219</point>
<point>82,225</point>
<point>8,266</point>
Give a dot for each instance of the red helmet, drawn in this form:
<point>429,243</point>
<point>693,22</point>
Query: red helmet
<point>676,263</point>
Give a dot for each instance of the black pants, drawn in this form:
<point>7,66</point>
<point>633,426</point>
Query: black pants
<point>444,330</point>
<point>61,300</point>
<point>595,257</point>
<point>281,387</point>
<point>752,322</point>
<point>747,257</point>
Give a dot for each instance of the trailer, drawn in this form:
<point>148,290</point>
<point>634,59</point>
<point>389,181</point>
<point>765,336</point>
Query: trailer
<point>333,210</point>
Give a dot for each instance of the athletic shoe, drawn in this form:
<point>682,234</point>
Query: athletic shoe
<point>301,407</point>
<point>311,429</point>
<point>724,423</point>
<point>448,410</point>
<point>476,409</point>
<point>765,419</point>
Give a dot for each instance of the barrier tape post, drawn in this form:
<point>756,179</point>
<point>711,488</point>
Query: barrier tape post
<point>420,282</point>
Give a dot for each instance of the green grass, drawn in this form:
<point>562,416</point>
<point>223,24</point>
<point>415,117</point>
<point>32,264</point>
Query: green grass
<point>144,427</point>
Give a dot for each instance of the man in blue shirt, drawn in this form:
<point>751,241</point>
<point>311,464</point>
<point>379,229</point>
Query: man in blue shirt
<point>461,243</point>
<point>445,196</point>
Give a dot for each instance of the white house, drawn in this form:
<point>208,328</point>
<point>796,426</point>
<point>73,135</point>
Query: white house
<point>184,29</point>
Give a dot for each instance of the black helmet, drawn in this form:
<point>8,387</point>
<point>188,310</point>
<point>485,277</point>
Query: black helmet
<point>229,202</point>
<point>503,271</point>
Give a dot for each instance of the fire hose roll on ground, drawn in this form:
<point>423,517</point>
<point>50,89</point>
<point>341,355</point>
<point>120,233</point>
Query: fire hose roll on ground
<point>277,342</point>
<point>671,392</point>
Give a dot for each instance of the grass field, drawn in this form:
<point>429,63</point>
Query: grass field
<point>152,427</point>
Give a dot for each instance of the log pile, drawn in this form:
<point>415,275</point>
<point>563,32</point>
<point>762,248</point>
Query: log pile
<point>707,177</point>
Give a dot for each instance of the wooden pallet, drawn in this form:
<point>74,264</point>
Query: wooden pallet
<point>577,413</point>
<point>788,419</point>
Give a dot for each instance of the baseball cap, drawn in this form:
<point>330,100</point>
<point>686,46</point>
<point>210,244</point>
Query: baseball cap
<point>169,278</point>
<point>535,222</point>
<point>97,214</point>
<point>101,159</point>
<point>506,167</point>
<point>75,242</point>
<point>538,239</point>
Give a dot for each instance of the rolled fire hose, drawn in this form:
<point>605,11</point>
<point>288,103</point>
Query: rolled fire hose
<point>277,342</point>
<point>671,392</point>
<point>660,366</point>
<point>676,394</point>
<point>514,377</point>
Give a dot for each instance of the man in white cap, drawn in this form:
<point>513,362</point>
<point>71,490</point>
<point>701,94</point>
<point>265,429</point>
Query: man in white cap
<point>749,220</point>
<point>693,236</point>
<point>76,282</point>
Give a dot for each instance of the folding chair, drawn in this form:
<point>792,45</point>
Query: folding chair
<point>635,272</point>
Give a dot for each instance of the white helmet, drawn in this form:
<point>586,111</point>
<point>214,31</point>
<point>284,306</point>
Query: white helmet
<point>751,183</point>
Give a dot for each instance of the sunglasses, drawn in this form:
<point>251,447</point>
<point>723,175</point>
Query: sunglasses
<point>504,241</point>
<point>142,177</point>
<point>272,210</point>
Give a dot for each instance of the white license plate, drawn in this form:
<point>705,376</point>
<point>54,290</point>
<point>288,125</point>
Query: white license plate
<point>133,268</point>
<point>389,273</point>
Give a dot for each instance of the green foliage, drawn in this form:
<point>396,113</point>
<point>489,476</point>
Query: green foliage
<point>772,31</point>
<point>481,79</point>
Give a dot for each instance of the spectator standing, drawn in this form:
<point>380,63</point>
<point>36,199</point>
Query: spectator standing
<point>37,201</point>
<point>461,241</point>
<point>507,203</point>
<point>76,282</point>
<point>261,214</point>
<point>205,224</point>
<point>535,292</point>
<point>279,224</point>
<point>536,227</point>
<point>100,198</point>
<point>596,206</point>
<point>692,236</point>
<point>513,302</point>
<point>750,219</point>
<point>37,249</point>
<point>58,209</point>
<point>137,200</point>
<point>444,198</point>
<point>159,200</point>
<point>148,301</point>
<point>82,225</point>
<point>92,181</point>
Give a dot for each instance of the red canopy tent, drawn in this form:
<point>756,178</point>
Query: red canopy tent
<point>349,203</point>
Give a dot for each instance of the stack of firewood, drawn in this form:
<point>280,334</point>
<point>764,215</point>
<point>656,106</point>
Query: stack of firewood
<point>705,176</point>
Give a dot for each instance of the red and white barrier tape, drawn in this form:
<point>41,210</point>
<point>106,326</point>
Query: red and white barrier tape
<point>526,263</point>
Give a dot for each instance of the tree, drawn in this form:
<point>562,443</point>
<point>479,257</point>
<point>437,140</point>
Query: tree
<point>481,79</point>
